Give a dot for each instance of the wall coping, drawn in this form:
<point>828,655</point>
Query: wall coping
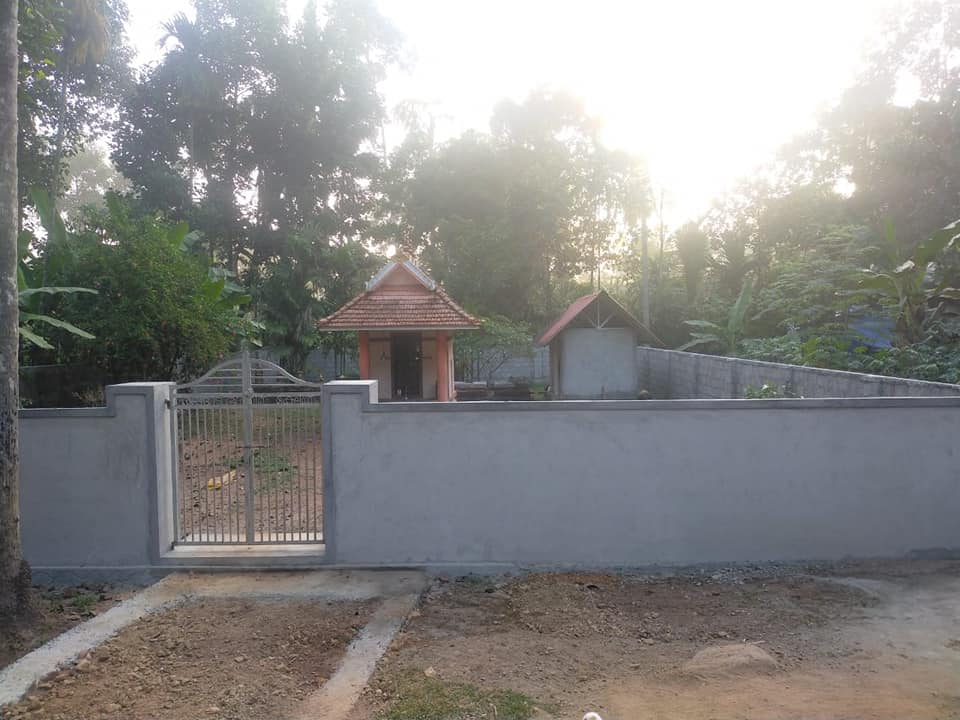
<point>112,392</point>
<point>367,391</point>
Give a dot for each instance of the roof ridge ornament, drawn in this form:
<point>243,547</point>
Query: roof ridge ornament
<point>420,305</point>
<point>409,266</point>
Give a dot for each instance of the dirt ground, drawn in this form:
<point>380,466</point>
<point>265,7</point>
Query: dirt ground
<point>875,641</point>
<point>211,659</point>
<point>288,502</point>
<point>56,611</point>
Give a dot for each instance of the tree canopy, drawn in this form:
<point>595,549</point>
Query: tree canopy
<point>263,133</point>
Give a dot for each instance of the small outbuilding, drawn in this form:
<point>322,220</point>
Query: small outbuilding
<point>404,321</point>
<point>593,348</point>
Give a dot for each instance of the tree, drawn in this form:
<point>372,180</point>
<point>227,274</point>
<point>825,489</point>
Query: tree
<point>727,337</point>
<point>481,354</point>
<point>810,290</point>
<point>901,161</point>
<point>902,281</point>
<point>693,248</point>
<point>261,134</point>
<point>73,68</point>
<point>84,41</point>
<point>30,279</point>
<point>14,571</point>
<point>310,281</point>
<point>160,311</point>
<point>251,131</point>
<point>90,176</point>
<point>508,220</point>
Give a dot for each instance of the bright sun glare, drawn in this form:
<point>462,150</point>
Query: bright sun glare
<point>705,91</point>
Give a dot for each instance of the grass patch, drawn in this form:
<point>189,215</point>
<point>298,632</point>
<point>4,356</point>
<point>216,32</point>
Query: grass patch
<point>81,604</point>
<point>538,391</point>
<point>419,697</point>
<point>271,469</point>
<point>84,603</point>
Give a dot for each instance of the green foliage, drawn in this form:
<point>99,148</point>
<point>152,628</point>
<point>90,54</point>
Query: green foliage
<point>74,66</point>
<point>157,314</point>
<point>693,247</point>
<point>811,288</point>
<point>509,220</point>
<point>768,392</point>
<point>90,176</point>
<point>311,280</point>
<point>29,278</point>
<point>479,355</point>
<point>253,128</point>
<point>902,281</point>
<point>419,697</point>
<point>934,361</point>
<point>263,134</point>
<point>724,337</point>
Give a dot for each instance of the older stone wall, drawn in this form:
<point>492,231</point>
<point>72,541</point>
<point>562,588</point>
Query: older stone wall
<point>670,374</point>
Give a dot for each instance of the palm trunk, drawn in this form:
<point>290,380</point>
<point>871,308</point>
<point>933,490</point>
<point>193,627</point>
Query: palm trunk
<point>645,269</point>
<point>192,166</point>
<point>14,572</point>
<point>64,73</point>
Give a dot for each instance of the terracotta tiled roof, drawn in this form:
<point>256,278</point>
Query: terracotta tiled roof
<point>576,307</point>
<point>400,307</point>
<point>582,303</point>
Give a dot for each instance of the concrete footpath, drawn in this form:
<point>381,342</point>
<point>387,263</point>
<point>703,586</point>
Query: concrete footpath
<point>400,591</point>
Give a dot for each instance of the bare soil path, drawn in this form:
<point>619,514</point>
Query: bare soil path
<point>56,610</point>
<point>208,659</point>
<point>883,644</point>
<point>235,646</point>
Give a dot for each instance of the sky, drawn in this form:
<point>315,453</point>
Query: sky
<point>704,90</point>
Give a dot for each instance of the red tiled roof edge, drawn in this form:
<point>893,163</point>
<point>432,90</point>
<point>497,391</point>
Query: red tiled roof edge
<point>463,320</point>
<point>574,309</point>
<point>581,304</point>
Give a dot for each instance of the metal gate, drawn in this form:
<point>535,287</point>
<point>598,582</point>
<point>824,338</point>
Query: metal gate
<point>249,456</point>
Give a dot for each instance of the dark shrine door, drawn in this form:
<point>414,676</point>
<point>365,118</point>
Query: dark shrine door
<point>407,365</point>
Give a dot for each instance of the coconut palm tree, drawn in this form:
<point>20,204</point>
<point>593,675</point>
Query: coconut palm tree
<point>193,79</point>
<point>86,39</point>
<point>14,572</point>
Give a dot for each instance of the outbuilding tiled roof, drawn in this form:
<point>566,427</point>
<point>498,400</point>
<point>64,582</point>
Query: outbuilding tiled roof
<point>405,306</point>
<point>607,308</point>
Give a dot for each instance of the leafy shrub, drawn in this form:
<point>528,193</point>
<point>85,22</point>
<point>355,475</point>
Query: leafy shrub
<point>157,314</point>
<point>931,360</point>
<point>768,392</point>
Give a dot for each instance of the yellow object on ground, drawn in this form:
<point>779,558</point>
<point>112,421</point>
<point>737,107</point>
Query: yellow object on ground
<point>218,482</point>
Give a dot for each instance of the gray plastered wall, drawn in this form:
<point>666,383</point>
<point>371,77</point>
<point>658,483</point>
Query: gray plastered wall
<point>637,483</point>
<point>96,482</point>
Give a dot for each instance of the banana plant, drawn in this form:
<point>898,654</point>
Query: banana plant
<point>220,287</point>
<point>903,281</point>
<point>727,338</point>
<point>31,290</point>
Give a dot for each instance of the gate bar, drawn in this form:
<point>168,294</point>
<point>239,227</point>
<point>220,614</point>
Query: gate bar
<point>248,443</point>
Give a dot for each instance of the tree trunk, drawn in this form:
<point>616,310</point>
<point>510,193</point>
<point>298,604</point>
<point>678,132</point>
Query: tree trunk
<point>645,277</point>
<point>64,73</point>
<point>14,572</point>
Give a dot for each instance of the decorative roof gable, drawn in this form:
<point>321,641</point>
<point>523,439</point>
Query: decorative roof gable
<point>606,310</point>
<point>400,297</point>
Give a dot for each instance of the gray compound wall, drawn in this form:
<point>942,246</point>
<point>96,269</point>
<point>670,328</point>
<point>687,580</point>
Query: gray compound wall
<point>671,374</point>
<point>95,482</point>
<point>636,483</point>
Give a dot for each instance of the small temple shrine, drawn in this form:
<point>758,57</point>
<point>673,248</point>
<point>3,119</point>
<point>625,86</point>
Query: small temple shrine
<point>404,321</point>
